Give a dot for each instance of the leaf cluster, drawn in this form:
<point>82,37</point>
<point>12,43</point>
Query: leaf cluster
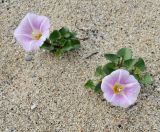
<point>61,41</point>
<point>122,59</point>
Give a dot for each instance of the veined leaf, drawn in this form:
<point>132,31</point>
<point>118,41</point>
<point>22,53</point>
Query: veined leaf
<point>137,71</point>
<point>99,71</point>
<point>129,64</point>
<point>67,46</point>
<point>98,87</point>
<point>55,35</point>
<point>67,35</point>
<point>112,57</point>
<point>147,79</point>
<point>62,42</point>
<point>58,52</point>
<point>45,45</point>
<point>140,64</point>
<point>89,84</point>
<point>125,53</point>
<point>73,34</point>
<point>75,43</point>
<point>64,30</point>
<point>108,68</point>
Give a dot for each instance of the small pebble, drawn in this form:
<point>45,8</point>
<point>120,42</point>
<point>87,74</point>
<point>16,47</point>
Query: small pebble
<point>33,106</point>
<point>158,89</point>
<point>28,57</point>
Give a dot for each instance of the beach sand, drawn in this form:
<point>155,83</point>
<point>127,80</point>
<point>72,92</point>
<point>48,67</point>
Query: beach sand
<point>47,94</point>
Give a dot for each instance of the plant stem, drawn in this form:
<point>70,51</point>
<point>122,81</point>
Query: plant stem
<point>120,63</point>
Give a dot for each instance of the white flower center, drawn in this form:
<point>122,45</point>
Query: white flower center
<point>36,35</point>
<point>118,88</point>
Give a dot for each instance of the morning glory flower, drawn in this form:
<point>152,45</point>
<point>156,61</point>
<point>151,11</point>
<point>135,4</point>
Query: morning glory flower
<point>120,88</point>
<point>32,31</point>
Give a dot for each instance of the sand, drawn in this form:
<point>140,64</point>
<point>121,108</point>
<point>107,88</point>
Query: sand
<point>46,94</point>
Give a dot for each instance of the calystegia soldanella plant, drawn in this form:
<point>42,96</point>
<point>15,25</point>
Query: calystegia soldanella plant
<point>33,34</point>
<point>120,79</point>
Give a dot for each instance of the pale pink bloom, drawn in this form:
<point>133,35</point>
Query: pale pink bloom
<point>32,31</point>
<point>120,88</point>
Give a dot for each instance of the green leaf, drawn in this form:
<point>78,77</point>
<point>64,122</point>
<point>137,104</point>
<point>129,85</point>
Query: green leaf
<point>147,79</point>
<point>112,57</point>
<point>73,34</point>
<point>62,42</point>
<point>64,30</point>
<point>137,77</point>
<point>137,74</point>
<point>67,35</point>
<point>67,46</point>
<point>125,53</point>
<point>89,84</point>
<point>58,52</point>
<point>97,88</point>
<point>55,35</point>
<point>75,43</point>
<point>99,71</point>
<point>129,64</point>
<point>137,71</point>
<point>71,44</point>
<point>108,68</point>
<point>45,45</point>
<point>140,64</point>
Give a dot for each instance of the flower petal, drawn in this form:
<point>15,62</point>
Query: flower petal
<point>37,22</point>
<point>132,89</point>
<point>32,46</point>
<point>108,95</point>
<point>45,25</point>
<point>45,35</point>
<point>130,79</point>
<point>28,47</point>
<point>107,83</point>
<point>120,100</point>
<point>120,75</point>
<point>22,38</point>
<point>24,27</point>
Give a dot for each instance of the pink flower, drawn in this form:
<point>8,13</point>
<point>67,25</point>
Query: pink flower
<point>120,88</point>
<point>32,31</point>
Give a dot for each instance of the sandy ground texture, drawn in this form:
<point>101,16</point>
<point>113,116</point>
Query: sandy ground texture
<point>46,94</point>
